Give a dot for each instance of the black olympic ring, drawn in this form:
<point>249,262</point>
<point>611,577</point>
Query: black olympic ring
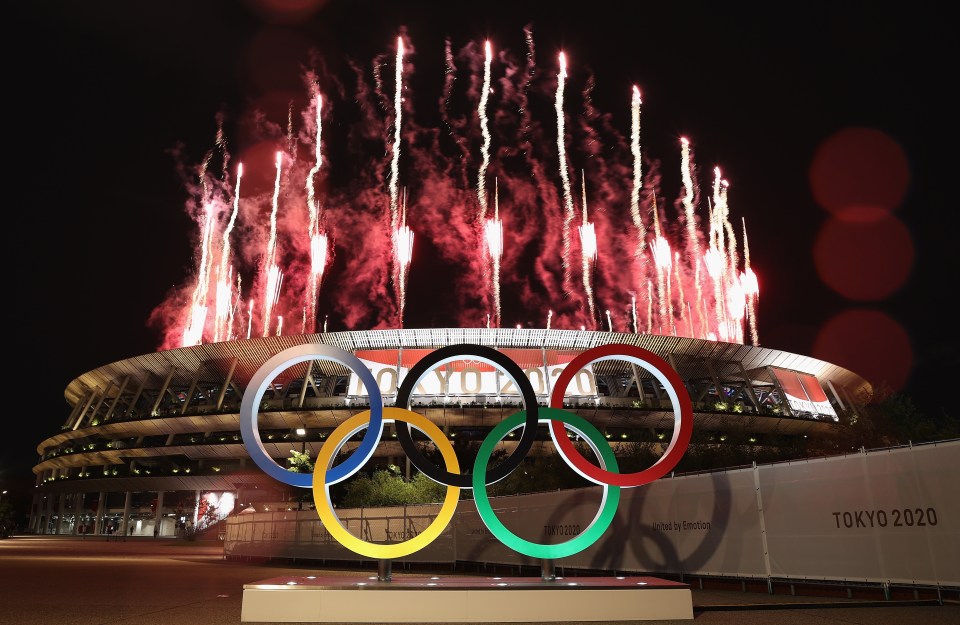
<point>491,356</point>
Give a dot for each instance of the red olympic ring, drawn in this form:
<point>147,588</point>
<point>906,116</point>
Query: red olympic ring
<point>682,411</point>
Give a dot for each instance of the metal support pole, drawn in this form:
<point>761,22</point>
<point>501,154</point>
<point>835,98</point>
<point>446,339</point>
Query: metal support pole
<point>384,570</point>
<point>548,570</point>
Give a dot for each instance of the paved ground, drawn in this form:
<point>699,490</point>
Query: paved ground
<point>73,581</point>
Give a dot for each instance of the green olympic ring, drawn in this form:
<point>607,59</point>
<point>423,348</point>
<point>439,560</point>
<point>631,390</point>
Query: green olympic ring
<point>599,524</point>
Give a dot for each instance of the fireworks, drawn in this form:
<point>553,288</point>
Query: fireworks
<point>485,130</point>
<point>403,250</point>
<point>224,297</point>
<point>493,233</point>
<point>271,291</point>
<point>318,240</point>
<point>699,281</point>
<point>637,175</point>
<point>588,248</point>
<point>564,174</point>
<point>402,236</point>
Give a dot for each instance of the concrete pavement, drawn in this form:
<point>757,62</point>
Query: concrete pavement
<point>88,581</point>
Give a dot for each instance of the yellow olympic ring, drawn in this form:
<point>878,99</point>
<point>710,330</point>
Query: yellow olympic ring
<point>321,490</point>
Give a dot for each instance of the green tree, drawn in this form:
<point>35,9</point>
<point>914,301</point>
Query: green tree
<point>386,487</point>
<point>889,418</point>
<point>300,462</point>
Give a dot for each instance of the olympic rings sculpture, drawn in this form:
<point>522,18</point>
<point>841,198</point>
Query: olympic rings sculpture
<point>557,419</point>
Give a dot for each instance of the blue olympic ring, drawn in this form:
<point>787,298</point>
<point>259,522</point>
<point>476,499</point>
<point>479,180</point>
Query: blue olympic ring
<point>249,408</point>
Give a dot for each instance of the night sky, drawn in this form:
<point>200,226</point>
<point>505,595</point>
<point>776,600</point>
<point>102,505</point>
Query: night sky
<point>803,106</point>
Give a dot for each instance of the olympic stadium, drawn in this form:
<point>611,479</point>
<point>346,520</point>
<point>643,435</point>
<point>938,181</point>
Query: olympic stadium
<point>152,444</point>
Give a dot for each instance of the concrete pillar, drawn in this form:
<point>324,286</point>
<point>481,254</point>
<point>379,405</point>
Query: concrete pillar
<point>125,521</point>
<point>49,515</point>
<point>158,515</point>
<point>35,513</point>
<point>78,501</point>
<point>98,522</point>
<point>196,509</point>
<point>61,508</point>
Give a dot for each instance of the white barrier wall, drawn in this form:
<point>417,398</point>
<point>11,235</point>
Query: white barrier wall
<point>884,516</point>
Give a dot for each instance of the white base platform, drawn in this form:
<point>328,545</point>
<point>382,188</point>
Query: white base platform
<point>464,600</point>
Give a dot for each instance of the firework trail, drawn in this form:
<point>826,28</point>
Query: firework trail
<point>397,124</point>
<point>717,244</point>
<point>401,234</point>
<point>493,229</point>
<point>711,335</point>
<point>250,318</point>
<point>403,244</point>
<point>751,288</point>
<point>291,139</point>
<point>733,262</point>
<point>193,333</point>
<point>279,324</point>
<point>588,249</point>
<point>732,258</point>
<point>649,307</point>
<point>564,174</point>
<point>549,317</point>
<point>609,322</point>
<point>318,240</point>
<point>714,261</point>
<point>454,124</point>
<point>683,304</point>
<point>224,300</point>
<point>233,310</point>
<point>635,104</point>
<point>485,130</point>
<point>633,311</point>
<point>688,206</point>
<point>272,287</point>
<point>219,144</point>
<point>198,311</point>
<point>325,317</point>
<point>736,304</point>
<point>736,295</point>
<point>224,279</point>
<point>662,259</point>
